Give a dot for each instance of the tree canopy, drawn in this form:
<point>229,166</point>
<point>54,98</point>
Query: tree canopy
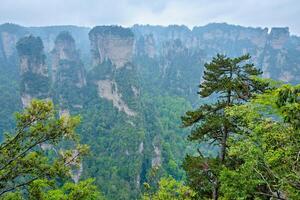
<point>227,82</point>
<point>33,161</point>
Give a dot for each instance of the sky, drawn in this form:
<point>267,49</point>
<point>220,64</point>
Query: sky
<point>254,13</point>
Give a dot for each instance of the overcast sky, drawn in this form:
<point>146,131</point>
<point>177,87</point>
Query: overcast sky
<point>256,13</point>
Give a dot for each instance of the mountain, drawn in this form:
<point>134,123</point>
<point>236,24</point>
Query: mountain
<point>130,86</point>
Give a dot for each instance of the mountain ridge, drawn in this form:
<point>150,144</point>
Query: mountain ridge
<point>130,85</point>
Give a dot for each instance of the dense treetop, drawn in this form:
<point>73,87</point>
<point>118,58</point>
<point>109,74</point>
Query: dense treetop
<point>111,30</point>
<point>64,36</point>
<point>30,46</point>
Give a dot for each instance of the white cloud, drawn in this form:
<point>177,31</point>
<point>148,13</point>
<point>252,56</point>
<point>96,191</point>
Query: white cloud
<point>263,13</point>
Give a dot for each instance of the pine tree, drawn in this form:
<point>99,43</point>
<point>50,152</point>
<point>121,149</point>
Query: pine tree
<point>226,82</point>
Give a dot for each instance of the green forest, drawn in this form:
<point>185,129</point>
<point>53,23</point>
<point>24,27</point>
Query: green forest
<point>149,112</point>
<point>242,143</point>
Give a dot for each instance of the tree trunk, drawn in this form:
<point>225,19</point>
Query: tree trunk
<point>223,144</point>
<point>215,194</point>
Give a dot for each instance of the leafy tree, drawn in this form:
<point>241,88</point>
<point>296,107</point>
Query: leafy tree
<point>170,189</point>
<point>266,146</point>
<point>69,191</point>
<point>230,81</point>
<point>30,157</point>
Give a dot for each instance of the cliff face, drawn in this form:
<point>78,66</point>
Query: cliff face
<point>8,43</point>
<point>9,35</point>
<point>112,52</point>
<point>113,43</point>
<point>278,37</point>
<point>114,78</point>
<point>276,52</point>
<point>68,73</point>
<point>64,49</point>
<point>280,59</point>
<point>33,70</point>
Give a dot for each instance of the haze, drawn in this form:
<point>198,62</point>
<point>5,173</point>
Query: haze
<point>255,13</point>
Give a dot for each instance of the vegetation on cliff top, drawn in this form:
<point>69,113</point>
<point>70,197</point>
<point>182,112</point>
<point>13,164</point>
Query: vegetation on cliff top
<point>111,30</point>
<point>30,46</point>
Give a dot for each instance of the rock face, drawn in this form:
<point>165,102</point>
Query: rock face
<point>278,37</point>
<point>111,42</point>
<point>109,90</point>
<point>115,80</point>
<point>277,53</point>
<point>114,73</point>
<point>156,160</point>
<point>33,70</point>
<point>8,42</point>
<point>68,73</point>
<point>9,35</point>
<point>280,58</point>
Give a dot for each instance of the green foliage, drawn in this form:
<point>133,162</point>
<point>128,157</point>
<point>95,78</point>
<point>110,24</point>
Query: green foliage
<point>65,90</point>
<point>170,189</point>
<point>230,81</point>
<point>163,116</point>
<point>35,84</point>
<point>266,147</point>
<point>169,72</point>
<point>30,46</point>
<point>43,189</point>
<point>64,36</point>
<point>33,81</point>
<point>10,100</point>
<point>25,161</point>
<point>111,30</point>
<point>114,139</point>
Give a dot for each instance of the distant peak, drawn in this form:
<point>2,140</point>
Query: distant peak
<point>112,30</point>
<point>64,36</point>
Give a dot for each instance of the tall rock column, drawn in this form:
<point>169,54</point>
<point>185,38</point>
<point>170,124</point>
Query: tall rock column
<point>112,43</point>
<point>68,74</point>
<point>277,60</point>
<point>117,104</point>
<point>114,74</point>
<point>35,82</point>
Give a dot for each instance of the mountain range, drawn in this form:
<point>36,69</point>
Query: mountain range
<point>130,86</point>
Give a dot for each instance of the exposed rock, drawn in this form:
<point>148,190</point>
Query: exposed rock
<point>76,174</point>
<point>277,49</point>
<point>78,167</point>
<point>26,99</point>
<point>278,37</point>
<point>64,113</point>
<point>65,55</point>
<point>68,73</point>
<point>46,147</point>
<point>9,35</point>
<point>81,79</point>
<point>9,43</point>
<point>150,46</point>
<point>33,70</point>
<point>32,65</point>
<point>145,45</point>
<point>138,181</point>
<point>136,92</point>
<point>156,160</point>
<point>109,90</point>
<point>141,148</point>
<point>111,42</point>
